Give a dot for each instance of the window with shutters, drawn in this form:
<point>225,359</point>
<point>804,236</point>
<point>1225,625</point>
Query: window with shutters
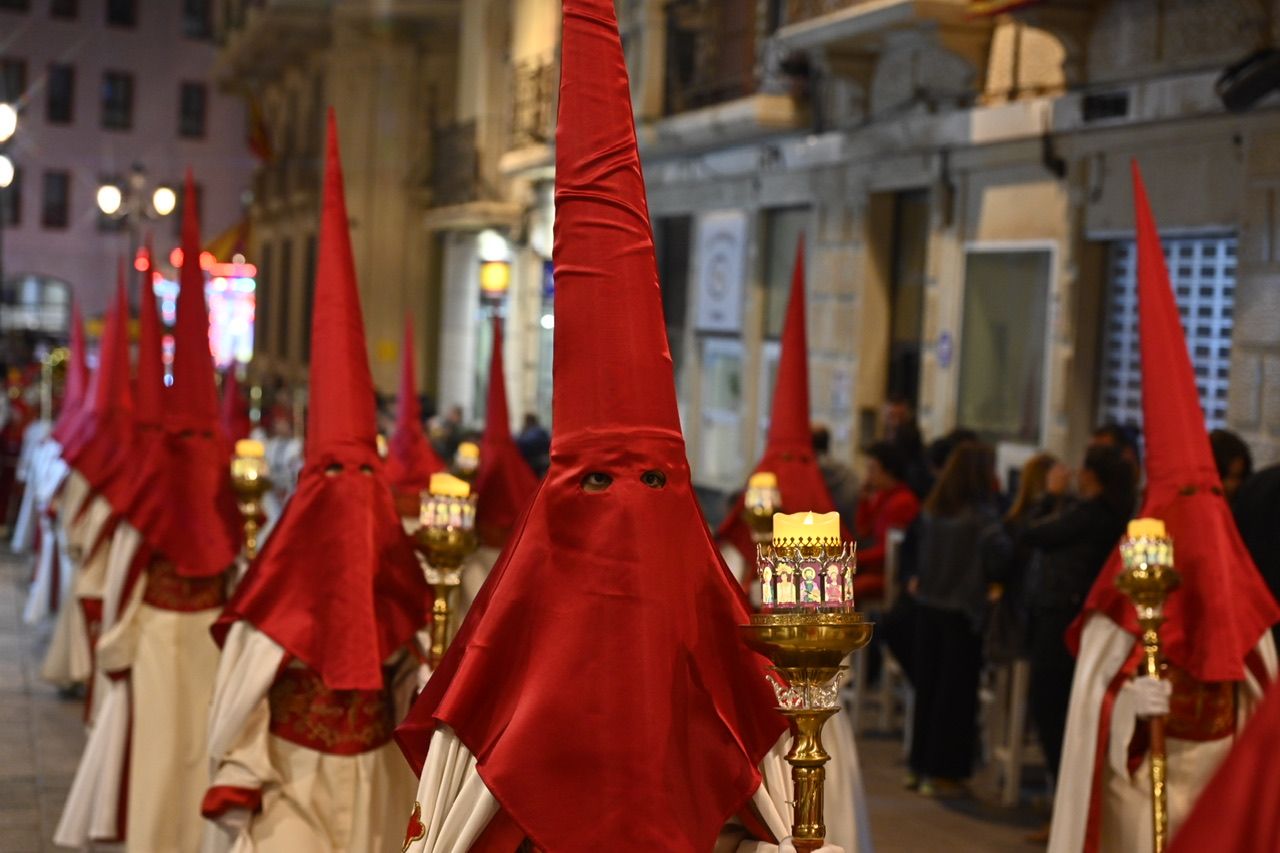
<point>1203,271</point>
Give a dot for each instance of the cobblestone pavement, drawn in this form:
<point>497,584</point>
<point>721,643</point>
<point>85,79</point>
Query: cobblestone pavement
<point>41,736</point>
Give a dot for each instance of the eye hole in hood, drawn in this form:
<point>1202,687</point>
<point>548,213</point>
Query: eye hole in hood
<point>596,481</point>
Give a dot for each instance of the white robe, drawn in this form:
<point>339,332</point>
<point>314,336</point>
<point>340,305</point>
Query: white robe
<point>1126,799</point>
<point>54,567</point>
<point>24,529</point>
<point>456,805</point>
<point>311,800</point>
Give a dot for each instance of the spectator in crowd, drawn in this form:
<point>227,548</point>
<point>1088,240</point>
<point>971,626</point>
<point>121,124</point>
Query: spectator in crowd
<point>1123,438</point>
<point>446,432</point>
<point>1072,538</point>
<point>1233,459</point>
<point>902,430</point>
<point>1006,562</point>
<point>951,595</point>
<point>887,504</point>
<point>842,482</point>
<point>534,443</point>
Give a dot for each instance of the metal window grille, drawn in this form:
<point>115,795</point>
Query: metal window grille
<point>1203,272</point>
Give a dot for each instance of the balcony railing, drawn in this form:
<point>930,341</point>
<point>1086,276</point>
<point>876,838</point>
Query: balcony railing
<point>455,165</point>
<point>805,10</point>
<point>712,48</point>
<point>533,103</point>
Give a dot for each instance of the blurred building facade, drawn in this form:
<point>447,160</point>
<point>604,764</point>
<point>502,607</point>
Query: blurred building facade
<point>102,86</point>
<point>960,171</point>
<point>958,168</point>
<point>385,67</point>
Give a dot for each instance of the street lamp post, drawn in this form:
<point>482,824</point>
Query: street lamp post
<point>8,127</point>
<point>131,203</point>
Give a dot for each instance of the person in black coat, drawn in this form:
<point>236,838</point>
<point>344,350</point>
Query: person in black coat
<point>1257,511</point>
<point>1071,541</point>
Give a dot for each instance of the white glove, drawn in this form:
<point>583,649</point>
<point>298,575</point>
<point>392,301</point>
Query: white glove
<point>235,819</point>
<point>787,847</point>
<point>1150,695</point>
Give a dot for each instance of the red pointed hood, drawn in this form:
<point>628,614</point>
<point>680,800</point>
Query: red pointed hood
<point>411,460</point>
<point>183,505</point>
<point>122,488</point>
<point>194,396</point>
<point>788,453</point>
<point>612,558</point>
<point>150,389</point>
<point>77,381</point>
<point>505,483</point>
<point>337,584</point>
<point>103,434</point>
<point>1215,619</point>
<point>233,416</point>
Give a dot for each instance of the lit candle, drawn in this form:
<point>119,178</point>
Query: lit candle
<point>448,485</point>
<point>806,525</point>
<point>1151,528</point>
<point>763,480</point>
<point>251,449</point>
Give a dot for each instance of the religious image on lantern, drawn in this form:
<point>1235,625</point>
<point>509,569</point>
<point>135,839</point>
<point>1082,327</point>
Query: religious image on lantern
<point>230,292</point>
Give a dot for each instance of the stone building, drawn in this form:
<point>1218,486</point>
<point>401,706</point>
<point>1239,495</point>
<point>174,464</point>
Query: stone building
<point>961,174</point>
<point>387,67</point>
<point>959,171</point>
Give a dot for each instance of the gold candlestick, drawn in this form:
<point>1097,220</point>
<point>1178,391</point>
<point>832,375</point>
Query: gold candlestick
<point>807,628</point>
<point>250,481</point>
<point>759,503</point>
<point>1147,579</point>
<point>445,538</point>
<point>466,461</point>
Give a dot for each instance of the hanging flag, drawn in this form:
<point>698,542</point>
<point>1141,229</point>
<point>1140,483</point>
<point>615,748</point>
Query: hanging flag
<point>259,136</point>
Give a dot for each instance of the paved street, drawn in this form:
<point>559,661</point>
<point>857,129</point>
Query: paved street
<point>41,736</point>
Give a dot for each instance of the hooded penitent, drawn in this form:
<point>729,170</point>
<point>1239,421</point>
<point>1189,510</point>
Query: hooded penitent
<point>183,505</point>
<point>788,454</point>
<point>411,460</point>
<point>1215,619</point>
<point>77,381</point>
<point>121,489</point>
<point>234,414</point>
<point>505,483</point>
<point>598,678</point>
<point>337,585</point>
<point>101,436</point>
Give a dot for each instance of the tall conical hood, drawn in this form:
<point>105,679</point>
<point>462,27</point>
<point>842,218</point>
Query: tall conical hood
<point>1177,445</point>
<point>340,405</point>
<point>234,413</point>
<point>505,483</point>
<point>77,381</point>
<point>411,460</point>
<point>788,453</point>
<point>149,395</point>
<point>613,548</point>
<point>1222,608</point>
<point>193,403</point>
<point>789,422</point>
<point>609,321</point>
<point>184,506</point>
<point>337,584</point>
<point>105,431</point>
